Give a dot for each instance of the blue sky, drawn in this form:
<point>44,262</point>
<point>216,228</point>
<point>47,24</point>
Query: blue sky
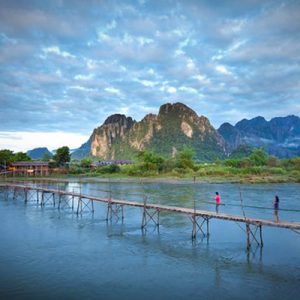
<point>67,65</point>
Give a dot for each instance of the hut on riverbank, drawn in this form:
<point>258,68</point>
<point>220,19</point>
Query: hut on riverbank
<point>29,168</point>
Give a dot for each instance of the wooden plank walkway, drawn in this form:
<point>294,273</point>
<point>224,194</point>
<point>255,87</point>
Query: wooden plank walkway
<point>194,214</point>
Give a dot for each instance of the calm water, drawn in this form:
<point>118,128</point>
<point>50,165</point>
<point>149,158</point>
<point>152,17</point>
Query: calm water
<point>50,254</point>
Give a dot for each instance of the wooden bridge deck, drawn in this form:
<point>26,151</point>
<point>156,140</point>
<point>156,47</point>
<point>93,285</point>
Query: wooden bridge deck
<point>166,208</point>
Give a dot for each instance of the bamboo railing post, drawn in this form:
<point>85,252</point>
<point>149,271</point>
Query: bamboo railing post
<point>25,195</point>
<point>261,237</point>
<point>78,205</point>
<point>248,236</point>
<point>144,213</point>
<point>207,226</point>
<point>14,195</point>
<point>92,205</point>
<point>194,231</point>
<point>59,201</point>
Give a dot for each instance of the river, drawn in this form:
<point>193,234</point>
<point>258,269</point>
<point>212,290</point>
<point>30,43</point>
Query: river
<point>46,253</point>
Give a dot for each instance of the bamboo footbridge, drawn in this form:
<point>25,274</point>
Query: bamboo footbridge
<point>80,203</point>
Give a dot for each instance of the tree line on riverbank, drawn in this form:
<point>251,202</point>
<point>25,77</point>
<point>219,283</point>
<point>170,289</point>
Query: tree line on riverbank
<point>256,163</point>
<point>245,163</point>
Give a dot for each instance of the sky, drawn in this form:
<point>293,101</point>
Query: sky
<point>65,66</point>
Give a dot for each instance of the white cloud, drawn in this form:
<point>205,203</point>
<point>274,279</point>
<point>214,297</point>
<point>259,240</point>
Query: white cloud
<point>223,70</point>
<point>171,90</point>
<point>190,64</point>
<point>201,78</point>
<point>188,90</point>
<point>124,110</point>
<point>144,41</point>
<point>91,64</point>
<point>24,140</point>
<point>147,83</point>
<point>103,37</point>
<point>166,88</point>
<point>56,50</point>
<point>82,88</point>
<point>83,77</point>
<point>113,90</point>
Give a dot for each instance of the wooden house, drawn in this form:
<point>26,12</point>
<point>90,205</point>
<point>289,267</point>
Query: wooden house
<point>29,168</point>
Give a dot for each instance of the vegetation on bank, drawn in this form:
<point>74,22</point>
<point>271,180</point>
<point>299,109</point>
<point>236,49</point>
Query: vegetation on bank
<point>244,165</point>
<point>7,157</point>
<point>61,157</point>
<point>258,166</point>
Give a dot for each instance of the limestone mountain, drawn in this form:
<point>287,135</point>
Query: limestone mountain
<point>39,153</point>
<point>176,125</point>
<point>280,136</point>
<point>109,139</point>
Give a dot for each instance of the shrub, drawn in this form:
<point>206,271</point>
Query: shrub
<point>272,161</point>
<point>168,165</point>
<point>109,169</point>
<point>259,157</point>
<point>278,171</point>
<point>232,163</point>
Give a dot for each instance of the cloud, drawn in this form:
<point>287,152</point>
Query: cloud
<point>223,70</point>
<point>113,90</point>
<point>67,65</point>
<point>57,51</point>
<point>24,141</point>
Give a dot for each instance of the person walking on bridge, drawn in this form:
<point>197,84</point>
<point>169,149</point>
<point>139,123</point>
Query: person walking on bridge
<point>218,201</point>
<point>276,208</point>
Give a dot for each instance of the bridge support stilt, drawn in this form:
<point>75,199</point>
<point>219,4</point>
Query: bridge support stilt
<point>6,193</point>
<point>48,197</point>
<point>198,224</point>
<point>18,192</point>
<point>85,205</point>
<point>251,232</point>
<point>114,210</point>
<point>65,201</point>
<point>150,214</point>
<point>30,195</point>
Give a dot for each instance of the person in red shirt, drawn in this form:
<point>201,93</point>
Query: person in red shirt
<point>218,201</point>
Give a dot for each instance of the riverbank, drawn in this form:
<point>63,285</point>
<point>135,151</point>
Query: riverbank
<point>252,179</point>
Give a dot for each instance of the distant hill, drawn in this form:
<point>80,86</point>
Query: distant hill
<point>280,136</point>
<point>38,153</point>
<point>176,125</point>
<point>83,151</point>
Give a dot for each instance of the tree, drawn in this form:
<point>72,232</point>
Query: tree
<point>86,162</point>
<point>259,157</point>
<point>149,157</point>
<point>150,160</point>
<point>6,156</point>
<point>185,157</point>
<point>62,156</point>
<point>46,157</point>
<point>21,156</point>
